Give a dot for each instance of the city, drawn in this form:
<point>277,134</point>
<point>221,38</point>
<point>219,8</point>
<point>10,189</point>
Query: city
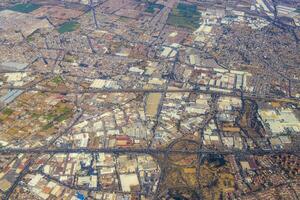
<point>149,99</point>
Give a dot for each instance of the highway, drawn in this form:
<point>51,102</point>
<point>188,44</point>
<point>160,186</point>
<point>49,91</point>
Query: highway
<point>145,151</point>
<point>130,90</point>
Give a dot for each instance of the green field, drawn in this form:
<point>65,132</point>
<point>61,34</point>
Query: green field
<point>185,16</point>
<point>55,117</point>
<point>7,111</point>
<point>30,38</point>
<point>68,27</point>
<point>25,8</point>
<point>153,6</point>
<point>70,58</point>
<point>58,80</point>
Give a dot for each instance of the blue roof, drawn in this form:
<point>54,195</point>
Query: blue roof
<point>80,196</point>
<point>10,96</point>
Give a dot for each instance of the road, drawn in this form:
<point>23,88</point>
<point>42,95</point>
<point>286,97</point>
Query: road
<point>94,14</point>
<point>19,178</point>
